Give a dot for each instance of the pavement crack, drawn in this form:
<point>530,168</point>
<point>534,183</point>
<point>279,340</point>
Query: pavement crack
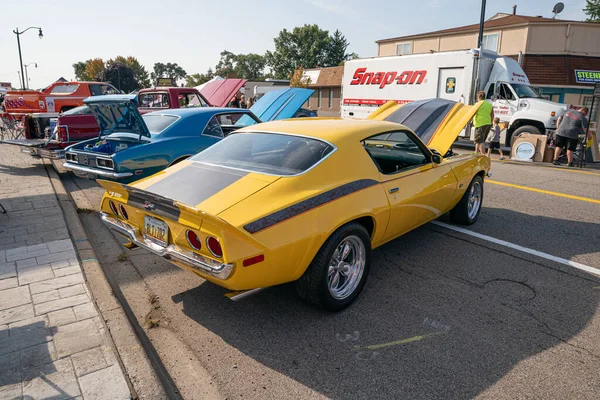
<point>581,349</point>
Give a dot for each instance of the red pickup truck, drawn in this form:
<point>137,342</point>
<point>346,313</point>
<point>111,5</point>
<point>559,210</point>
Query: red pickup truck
<point>79,124</point>
<point>58,97</point>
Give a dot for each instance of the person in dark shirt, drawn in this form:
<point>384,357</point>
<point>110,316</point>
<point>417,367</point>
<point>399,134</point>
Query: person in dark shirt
<point>570,125</point>
<point>235,103</point>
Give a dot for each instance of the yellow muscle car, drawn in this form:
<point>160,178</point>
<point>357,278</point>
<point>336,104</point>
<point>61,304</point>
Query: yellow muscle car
<point>304,200</point>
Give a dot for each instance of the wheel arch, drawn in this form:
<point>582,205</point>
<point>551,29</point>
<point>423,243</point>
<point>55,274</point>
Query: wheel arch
<point>178,160</point>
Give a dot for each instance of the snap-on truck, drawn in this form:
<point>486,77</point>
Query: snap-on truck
<point>371,82</point>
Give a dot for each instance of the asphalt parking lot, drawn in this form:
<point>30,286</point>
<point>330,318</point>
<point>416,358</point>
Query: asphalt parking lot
<point>506,309</point>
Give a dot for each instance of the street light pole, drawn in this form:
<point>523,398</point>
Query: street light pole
<point>20,59</point>
<point>16,32</point>
<point>26,76</point>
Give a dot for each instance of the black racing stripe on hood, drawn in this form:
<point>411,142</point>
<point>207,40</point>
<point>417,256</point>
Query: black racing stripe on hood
<point>195,183</point>
<point>308,204</point>
<point>423,116</point>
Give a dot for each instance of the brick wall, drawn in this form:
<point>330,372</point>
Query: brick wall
<point>324,110</point>
<point>557,69</point>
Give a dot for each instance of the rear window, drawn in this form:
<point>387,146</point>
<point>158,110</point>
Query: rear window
<point>267,153</point>
<point>64,89</point>
<point>78,111</point>
<point>158,123</point>
<point>154,100</point>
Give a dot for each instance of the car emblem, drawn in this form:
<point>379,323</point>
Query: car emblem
<point>149,206</point>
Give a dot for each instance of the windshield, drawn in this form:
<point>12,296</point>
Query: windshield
<point>525,91</point>
<point>158,123</point>
<point>267,153</point>
<point>78,111</point>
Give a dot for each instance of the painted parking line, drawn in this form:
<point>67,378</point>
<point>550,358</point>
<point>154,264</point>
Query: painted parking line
<point>568,196</point>
<point>403,341</point>
<point>565,169</point>
<point>550,257</point>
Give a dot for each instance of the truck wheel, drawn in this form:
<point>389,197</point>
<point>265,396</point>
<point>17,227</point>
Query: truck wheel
<point>523,129</point>
<point>468,208</point>
<point>339,271</point>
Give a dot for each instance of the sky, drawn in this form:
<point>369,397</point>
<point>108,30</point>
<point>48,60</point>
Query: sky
<point>192,33</point>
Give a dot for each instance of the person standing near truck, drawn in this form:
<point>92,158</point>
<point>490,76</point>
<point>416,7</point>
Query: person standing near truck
<point>483,122</point>
<point>570,125</point>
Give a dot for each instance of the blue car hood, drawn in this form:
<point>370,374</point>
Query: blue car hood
<point>278,104</point>
<point>117,113</point>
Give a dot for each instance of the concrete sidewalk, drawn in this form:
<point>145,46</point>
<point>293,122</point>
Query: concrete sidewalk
<point>53,344</point>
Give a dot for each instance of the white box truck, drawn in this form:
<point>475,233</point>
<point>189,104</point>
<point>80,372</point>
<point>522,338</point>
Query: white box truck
<point>371,82</point>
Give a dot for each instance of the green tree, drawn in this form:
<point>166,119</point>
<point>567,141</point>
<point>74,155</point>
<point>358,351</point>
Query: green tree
<point>250,66</point>
<point>121,76</point>
<point>337,50</point>
<point>80,73</point>
<point>198,79</point>
<point>592,10</point>
<point>306,46</point>
<point>168,70</point>
<point>226,64</point>
<point>140,74</point>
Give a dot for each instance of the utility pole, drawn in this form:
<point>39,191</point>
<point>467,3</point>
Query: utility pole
<point>16,32</point>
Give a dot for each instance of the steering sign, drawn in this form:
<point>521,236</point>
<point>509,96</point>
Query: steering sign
<point>524,151</point>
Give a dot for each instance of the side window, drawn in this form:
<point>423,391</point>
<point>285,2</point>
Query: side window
<point>191,100</point>
<point>154,100</point>
<point>490,92</point>
<point>108,89</point>
<point>96,90</point>
<point>394,152</point>
<point>213,128</point>
<point>506,93</point>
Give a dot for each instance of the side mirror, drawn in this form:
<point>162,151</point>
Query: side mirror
<point>436,158</point>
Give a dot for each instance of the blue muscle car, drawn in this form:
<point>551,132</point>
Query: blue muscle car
<point>132,146</point>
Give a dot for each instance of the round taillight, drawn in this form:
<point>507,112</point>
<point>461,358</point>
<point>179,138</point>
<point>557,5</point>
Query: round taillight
<point>214,246</point>
<point>123,211</point>
<point>193,240</point>
<point>113,208</point>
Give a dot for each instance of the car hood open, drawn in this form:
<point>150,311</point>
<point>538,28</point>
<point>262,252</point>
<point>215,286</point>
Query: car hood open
<point>437,122</point>
<point>218,93</point>
<point>278,104</point>
<point>117,113</point>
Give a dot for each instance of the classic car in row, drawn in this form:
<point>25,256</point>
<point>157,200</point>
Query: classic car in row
<point>79,124</point>
<point>304,200</point>
<point>132,146</point>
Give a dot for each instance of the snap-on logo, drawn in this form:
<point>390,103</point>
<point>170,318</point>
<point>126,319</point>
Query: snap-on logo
<point>362,77</point>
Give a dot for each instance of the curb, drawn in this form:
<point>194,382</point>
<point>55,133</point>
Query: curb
<point>126,336</point>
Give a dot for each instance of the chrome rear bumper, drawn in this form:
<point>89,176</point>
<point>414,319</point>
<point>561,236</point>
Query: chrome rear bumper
<point>47,153</point>
<point>97,171</point>
<point>171,252</point>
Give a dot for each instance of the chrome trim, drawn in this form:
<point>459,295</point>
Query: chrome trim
<point>52,154</point>
<point>245,293</point>
<point>104,174</point>
<point>105,159</point>
<point>266,173</point>
<point>208,247</point>
<point>172,252</point>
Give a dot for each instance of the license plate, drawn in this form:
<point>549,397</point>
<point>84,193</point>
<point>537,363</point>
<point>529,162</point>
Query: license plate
<point>156,230</point>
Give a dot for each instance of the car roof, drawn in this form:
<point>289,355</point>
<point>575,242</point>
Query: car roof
<point>183,112</point>
<point>333,130</point>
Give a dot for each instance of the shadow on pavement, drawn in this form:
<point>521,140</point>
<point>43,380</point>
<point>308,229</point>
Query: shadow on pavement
<point>439,318</point>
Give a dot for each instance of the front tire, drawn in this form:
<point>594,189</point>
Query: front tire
<point>524,129</point>
<point>339,271</point>
<point>468,208</point>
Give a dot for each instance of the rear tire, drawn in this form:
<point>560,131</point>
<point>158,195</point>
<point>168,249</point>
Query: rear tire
<point>468,208</point>
<point>339,271</point>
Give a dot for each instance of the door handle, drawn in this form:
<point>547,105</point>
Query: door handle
<point>394,190</point>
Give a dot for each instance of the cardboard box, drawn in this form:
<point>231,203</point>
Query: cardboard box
<point>538,141</point>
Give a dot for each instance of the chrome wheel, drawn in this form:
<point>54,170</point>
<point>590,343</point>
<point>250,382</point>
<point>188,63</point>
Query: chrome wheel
<point>346,267</point>
<point>474,200</point>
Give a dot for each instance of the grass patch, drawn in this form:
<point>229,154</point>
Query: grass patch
<point>122,257</point>
<point>84,211</point>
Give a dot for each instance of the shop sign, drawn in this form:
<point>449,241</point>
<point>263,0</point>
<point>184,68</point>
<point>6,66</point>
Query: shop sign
<point>165,82</point>
<point>585,76</point>
<point>524,151</point>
